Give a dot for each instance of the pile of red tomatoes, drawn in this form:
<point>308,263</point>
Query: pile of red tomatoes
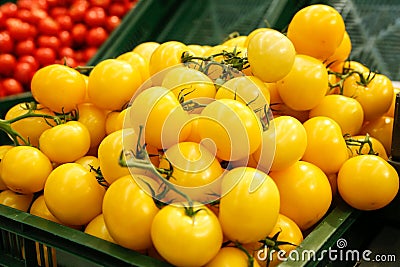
<point>34,34</point>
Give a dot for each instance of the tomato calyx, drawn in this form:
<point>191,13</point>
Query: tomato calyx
<point>140,159</point>
<point>230,36</point>
<point>58,118</point>
<point>191,105</point>
<point>99,177</point>
<point>236,244</point>
<point>363,79</point>
<point>265,117</point>
<point>351,142</point>
<point>229,58</point>
<point>84,69</point>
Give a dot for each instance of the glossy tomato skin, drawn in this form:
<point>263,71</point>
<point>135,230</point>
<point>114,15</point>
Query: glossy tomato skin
<point>249,205</point>
<point>288,231</point>
<point>96,36</point>
<point>375,98</point>
<point>58,87</point>
<point>146,49</point>
<point>11,86</point>
<point>305,193</point>
<point>249,90</point>
<point>97,228</point>
<point>316,30</point>
<point>6,43</point>
<point>182,79</point>
<point>346,111</point>
<point>8,63</point>
<point>305,85</point>
<point>166,55</point>
<point>159,112</point>
<point>14,200</point>
<point>39,208</point>
<point>94,119</point>
<point>128,213</point>
<point>116,74</point>
<point>89,162</point>
<point>172,229</point>
<point>24,72</point>
<point>382,129</point>
<point>193,165</point>
<point>326,147</point>
<point>230,256</point>
<point>283,144</point>
<point>73,195</point>
<point>25,169</point>
<point>108,154</point>
<point>271,55</point>
<point>341,53</point>
<point>137,61</point>
<point>234,128</point>
<point>30,128</point>
<point>367,182</point>
<point>65,142</point>
<point>3,150</point>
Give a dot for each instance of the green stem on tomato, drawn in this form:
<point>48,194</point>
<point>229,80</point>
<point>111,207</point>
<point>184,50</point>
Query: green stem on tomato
<point>5,125</point>
<point>140,159</point>
<point>249,256</point>
<point>360,144</point>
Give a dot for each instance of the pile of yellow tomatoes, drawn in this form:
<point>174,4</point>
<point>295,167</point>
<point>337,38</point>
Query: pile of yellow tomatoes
<point>206,155</point>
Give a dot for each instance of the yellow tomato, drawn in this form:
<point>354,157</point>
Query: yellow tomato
<point>305,193</point>
<point>367,182</point>
<point>326,147</point>
<point>98,228</point>
<point>146,49</point>
<point>271,55</point>
<point>249,205</point>
<point>166,55</point>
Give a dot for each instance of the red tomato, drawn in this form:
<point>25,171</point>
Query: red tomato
<point>48,26</point>
<point>65,38</point>
<point>9,9</point>
<point>67,52</point>
<point>95,16</point>
<point>79,32</point>
<point>6,43</point>
<point>49,41</point>
<point>117,9</point>
<point>96,36</point>
<point>89,53</point>
<point>64,21</point>
<point>100,3</point>
<point>18,29</point>
<point>23,72</point>
<point>77,10</point>
<point>3,92</point>
<point>45,56</point>
<point>7,64</point>
<point>58,11</point>
<point>29,59</point>
<point>38,14</point>
<point>112,22</point>
<point>25,47</point>
<point>25,15</point>
<point>12,86</point>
